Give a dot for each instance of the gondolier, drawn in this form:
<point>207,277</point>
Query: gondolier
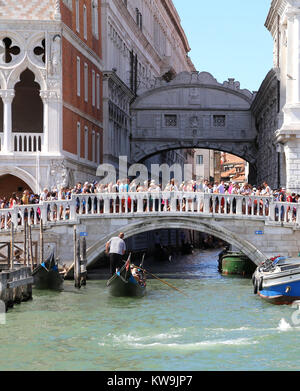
<point>116,248</point>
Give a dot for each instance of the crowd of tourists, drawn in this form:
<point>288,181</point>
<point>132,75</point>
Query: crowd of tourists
<point>121,186</point>
<point>219,205</point>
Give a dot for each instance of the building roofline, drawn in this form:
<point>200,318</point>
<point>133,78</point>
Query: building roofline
<point>173,15</point>
<point>277,8</point>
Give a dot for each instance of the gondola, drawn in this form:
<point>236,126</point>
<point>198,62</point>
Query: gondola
<point>47,276</point>
<point>123,283</point>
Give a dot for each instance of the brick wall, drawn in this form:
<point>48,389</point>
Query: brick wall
<point>76,108</point>
<point>70,141</point>
<point>69,18</point>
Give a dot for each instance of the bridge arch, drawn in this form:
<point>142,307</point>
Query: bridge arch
<point>193,111</point>
<point>136,226</point>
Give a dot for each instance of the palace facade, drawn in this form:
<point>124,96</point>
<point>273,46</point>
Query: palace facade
<point>51,115</point>
<point>142,40</point>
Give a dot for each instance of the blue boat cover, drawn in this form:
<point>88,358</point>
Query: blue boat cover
<point>279,259</point>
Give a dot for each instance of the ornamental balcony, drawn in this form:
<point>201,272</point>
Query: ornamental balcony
<point>22,143</point>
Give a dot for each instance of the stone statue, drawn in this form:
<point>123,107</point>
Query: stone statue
<point>55,55</point>
<point>59,175</point>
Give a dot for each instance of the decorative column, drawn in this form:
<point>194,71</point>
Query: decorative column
<point>52,120</point>
<point>296,59</point>
<point>44,97</point>
<point>7,98</point>
<point>289,58</point>
<point>288,136</point>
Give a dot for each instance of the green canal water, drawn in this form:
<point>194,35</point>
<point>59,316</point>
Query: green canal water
<point>222,325</point>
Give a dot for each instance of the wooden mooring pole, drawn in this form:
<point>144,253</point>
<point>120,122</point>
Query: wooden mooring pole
<point>25,243</point>
<point>41,242</point>
<point>83,262</point>
<point>30,246</point>
<point>12,245</point>
<point>77,271</point>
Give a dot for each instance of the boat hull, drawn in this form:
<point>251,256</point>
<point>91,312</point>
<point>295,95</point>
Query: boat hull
<point>279,284</point>
<point>43,279</point>
<point>236,264</point>
<point>47,276</point>
<point>119,287</point>
<point>281,294</point>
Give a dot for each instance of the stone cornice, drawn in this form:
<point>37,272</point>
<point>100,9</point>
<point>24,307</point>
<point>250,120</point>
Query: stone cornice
<point>277,8</point>
<point>82,114</point>
<point>71,37</point>
<point>32,25</point>
<point>197,80</point>
<point>173,15</point>
<point>115,78</point>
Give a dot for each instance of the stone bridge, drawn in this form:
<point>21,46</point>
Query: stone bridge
<point>193,110</point>
<point>259,226</point>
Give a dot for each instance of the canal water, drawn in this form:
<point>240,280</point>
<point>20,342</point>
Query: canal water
<point>221,325</point>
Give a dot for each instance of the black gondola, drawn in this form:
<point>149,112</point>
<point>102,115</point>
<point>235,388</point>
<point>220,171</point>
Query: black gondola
<point>47,276</point>
<point>123,283</point>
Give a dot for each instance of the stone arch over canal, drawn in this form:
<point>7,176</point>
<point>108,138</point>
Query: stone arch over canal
<point>236,232</point>
<point>193,111</point>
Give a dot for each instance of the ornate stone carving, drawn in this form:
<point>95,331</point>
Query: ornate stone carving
<point>59,175</point>
<point>7,95</point>
<point>194,96</point>
<point>40,51</point>
<point>56,55</point>
<point>57,14</point>
<point>194,121</point>
<point>9,51</point>
<point>231,83</point>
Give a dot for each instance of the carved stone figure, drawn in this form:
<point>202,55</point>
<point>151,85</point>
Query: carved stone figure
<point>59,175</point>
<point>194,121</point>
<point>56,55</point>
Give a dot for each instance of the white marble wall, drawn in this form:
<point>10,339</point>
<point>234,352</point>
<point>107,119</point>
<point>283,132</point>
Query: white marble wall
<point>283,22</point>
<point>153,38</point>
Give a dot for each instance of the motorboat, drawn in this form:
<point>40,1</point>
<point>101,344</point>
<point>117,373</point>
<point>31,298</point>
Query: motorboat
<point>278,280</point>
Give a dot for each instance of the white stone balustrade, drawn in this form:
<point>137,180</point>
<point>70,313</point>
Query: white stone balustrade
<point>117,205</point>
<point>27,142</point>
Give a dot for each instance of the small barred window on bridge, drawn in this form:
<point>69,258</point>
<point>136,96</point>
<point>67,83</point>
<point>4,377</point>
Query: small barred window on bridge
<point>170,121</point>
<point>219,121</point>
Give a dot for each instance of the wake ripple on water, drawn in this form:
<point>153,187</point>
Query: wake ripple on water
<point>160,341</point>
<point>128,338</point>
<point>198,345</point>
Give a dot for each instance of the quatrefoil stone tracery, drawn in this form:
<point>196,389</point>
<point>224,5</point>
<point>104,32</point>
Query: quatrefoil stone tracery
<point>8,51</point>
<point>40,51</point>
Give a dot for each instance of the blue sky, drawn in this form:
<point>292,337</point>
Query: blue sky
<point>228,38</point>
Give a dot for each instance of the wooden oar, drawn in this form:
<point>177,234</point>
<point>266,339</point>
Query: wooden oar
<point>142,263</point>
<point>164,282</point>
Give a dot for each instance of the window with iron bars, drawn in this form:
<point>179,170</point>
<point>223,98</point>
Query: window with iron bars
<point>170,121</point>
<point>219,121</point>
